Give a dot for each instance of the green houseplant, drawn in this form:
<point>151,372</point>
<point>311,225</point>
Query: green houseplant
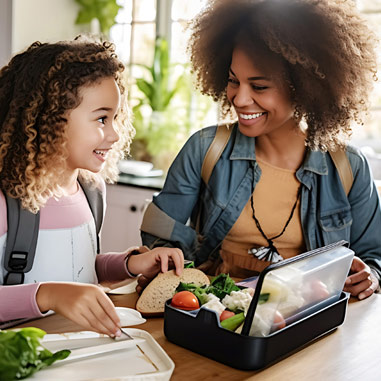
<point>104,11</point>
<point>162,115</point>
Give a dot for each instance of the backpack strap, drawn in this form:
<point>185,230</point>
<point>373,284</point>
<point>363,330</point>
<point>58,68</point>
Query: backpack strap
<point>23,227</point>
<point>212,155</point>
<point>95,199</point>
<point>344,169</point>
<point>215,150</point>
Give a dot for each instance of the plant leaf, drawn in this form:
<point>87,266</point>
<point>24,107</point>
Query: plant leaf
<point>84,17</point>
<point>23,355</point>
<point>146,88</point>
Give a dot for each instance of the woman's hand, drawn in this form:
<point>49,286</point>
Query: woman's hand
<point>84,304</point>
<point>361,282</point>
<point>151,262</point>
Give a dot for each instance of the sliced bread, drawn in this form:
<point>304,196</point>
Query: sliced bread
<point>151,301</point>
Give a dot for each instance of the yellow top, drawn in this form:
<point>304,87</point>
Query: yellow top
<point>274,197</point>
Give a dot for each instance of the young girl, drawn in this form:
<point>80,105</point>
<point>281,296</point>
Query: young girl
<point>63,117</point>
<point>296,73</point>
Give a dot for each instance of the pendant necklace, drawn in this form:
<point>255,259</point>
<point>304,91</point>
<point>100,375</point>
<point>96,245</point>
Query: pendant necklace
<point>269,253</point>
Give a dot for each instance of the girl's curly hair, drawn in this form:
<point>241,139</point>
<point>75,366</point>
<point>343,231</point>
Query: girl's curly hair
<point>327,51</point>
<point>37,90</point>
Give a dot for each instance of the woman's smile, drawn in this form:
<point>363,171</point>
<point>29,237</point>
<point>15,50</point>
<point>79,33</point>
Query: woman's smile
<point>259,95</point>
<point>251,119</point>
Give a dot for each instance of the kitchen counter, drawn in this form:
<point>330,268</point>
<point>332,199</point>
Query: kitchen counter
<point>155,183</point>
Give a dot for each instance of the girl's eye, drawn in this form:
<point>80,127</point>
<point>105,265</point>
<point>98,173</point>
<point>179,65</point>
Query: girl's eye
<point>102,119</point>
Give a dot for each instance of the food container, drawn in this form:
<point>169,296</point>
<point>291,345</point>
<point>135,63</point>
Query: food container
<point>146,361</point>
<point>307,315</point>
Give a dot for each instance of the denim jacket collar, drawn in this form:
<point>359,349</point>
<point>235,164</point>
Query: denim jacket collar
<point>316,162</point>
<point>244,149</point>
<point>244,146</point>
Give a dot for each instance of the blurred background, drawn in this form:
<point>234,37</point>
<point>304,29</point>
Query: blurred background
<point>151,38</point>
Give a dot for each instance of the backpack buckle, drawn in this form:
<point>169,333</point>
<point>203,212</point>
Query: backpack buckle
<point>18,260</point>
<point>12,279</point>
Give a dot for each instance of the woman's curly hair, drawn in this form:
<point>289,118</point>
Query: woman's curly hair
<point>326,49</point>
<point>38,88</point>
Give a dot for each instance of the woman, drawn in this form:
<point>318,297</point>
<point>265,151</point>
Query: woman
<point>297,73</point>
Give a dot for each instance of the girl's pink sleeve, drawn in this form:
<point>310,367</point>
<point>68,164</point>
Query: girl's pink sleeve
<point>112,267</point>
<point>19,301</point>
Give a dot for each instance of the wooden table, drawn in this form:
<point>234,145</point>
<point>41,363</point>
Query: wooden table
<point>351,352</point>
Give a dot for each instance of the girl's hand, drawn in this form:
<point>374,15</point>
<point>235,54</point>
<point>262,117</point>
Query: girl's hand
<point>150,263</point>
<point>361,283</point>
<point>84,304</point>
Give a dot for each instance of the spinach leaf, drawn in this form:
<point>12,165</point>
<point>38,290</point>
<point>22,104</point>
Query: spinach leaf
<point>186,287</point>
<point>220,286</point>
<point>22,354</point>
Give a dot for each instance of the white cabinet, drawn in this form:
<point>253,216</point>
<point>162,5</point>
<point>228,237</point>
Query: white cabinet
<point>124,214</point>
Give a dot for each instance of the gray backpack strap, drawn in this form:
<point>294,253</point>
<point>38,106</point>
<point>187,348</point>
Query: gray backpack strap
<point>95,200</point>
<point>23,227</point>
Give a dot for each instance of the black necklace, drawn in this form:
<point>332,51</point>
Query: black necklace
<point>269,253</point>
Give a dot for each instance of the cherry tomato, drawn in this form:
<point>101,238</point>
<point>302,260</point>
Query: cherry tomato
<point>226,314</point>
<point>185,300</point>
<point>279,321</point>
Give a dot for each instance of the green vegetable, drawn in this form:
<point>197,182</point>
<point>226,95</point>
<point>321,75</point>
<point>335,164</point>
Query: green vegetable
<point>220,286</point>
<point>189,265</point>
<point>22,354</point>
<point>202,294</point>
<point>263,298</point>
<point>199,292</point>
<point>233,322</point>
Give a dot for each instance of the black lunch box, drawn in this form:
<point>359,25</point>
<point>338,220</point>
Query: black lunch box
<point>200,331</point>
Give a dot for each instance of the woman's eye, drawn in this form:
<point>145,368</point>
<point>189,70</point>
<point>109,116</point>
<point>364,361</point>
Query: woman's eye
<point>233,81</point>
<point>258,88</point>
<point>102,119</point>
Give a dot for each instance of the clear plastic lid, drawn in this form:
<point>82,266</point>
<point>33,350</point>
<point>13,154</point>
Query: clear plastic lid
<point>296,287</point>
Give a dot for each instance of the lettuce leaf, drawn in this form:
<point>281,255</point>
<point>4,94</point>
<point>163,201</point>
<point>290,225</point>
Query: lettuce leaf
<point>22,354</point>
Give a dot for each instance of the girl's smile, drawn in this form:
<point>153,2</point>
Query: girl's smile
<point>101,154</point>
<point>90,130</point>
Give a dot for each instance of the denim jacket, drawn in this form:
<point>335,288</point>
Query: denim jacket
<point>327,214</point>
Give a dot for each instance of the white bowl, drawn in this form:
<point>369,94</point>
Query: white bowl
<point>129,316</point>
